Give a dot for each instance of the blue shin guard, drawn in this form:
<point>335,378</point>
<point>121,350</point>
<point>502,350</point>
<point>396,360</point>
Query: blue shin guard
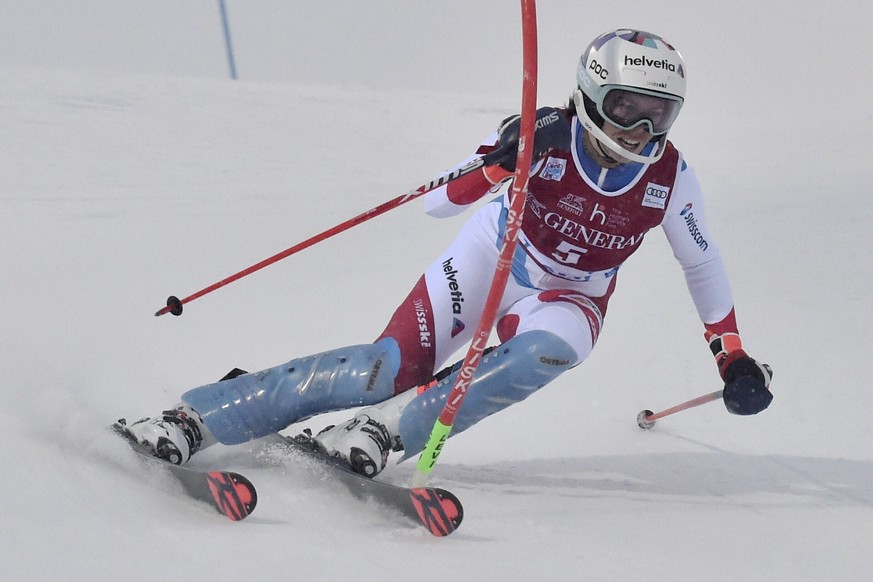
<point>255,405</point>
<point>508,374</point>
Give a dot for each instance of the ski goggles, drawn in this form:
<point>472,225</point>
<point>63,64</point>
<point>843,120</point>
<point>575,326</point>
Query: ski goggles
<point>630,108</point>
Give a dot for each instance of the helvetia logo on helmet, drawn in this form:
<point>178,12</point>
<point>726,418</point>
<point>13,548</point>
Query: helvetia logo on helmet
<point>645,62</point>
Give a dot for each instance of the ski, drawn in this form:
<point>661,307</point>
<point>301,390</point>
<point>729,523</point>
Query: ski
<point>231,494</point>
<point>438,510</point>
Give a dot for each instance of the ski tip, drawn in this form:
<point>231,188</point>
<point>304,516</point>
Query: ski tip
<point>439,510</point>
<point>234,495</point>
<point>452,507</point>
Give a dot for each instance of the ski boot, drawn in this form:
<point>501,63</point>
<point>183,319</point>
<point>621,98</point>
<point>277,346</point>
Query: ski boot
<point>364,442</point>
<point>174,436</point>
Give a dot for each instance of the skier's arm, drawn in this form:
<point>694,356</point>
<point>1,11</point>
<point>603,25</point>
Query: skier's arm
<point>453,198</point>
<point>499,152</point>
<point>746,381</point>
<point>693,246</point>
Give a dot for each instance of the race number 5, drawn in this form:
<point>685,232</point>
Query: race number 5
<point>568,254</point>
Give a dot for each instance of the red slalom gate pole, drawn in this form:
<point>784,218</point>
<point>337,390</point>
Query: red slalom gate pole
<point>443,426</point>
<point>174,304</point>
<point>646,418</point>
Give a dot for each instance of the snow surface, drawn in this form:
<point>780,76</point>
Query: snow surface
<point>132,169</point>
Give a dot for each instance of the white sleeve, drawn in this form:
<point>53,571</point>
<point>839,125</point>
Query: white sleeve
<point>437,202</point>
<point>693,246</point>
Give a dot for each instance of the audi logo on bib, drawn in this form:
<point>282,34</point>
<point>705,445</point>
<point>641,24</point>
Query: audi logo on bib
<point>656,196</point>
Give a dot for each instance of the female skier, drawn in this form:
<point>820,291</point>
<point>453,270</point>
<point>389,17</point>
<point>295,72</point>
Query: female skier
<point>604,174</point>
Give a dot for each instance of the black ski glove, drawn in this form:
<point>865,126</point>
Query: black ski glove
<point>746,382</point>
<point>552,133</point>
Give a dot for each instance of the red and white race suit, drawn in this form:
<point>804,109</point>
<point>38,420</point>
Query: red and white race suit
<point>581,223</point>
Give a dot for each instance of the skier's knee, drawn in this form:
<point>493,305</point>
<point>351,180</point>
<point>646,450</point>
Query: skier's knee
<point>508,374</point>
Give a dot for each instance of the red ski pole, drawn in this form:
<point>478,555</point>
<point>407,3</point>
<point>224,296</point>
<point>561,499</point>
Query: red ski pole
<point>174,304</point>
<point>443,425</point>
<point>646,418</point>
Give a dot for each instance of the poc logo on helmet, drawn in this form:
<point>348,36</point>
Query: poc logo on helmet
<point>598,69</point>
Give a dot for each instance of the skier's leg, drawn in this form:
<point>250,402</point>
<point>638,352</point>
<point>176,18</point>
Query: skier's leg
<point>255,405</point>
<point>250,406</point>
<point>545,334</point>
<point>508,374</point>
<point>440,314</point>
<point>436,319</point>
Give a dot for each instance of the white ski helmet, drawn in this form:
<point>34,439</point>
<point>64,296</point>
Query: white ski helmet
<point>630,78</point>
